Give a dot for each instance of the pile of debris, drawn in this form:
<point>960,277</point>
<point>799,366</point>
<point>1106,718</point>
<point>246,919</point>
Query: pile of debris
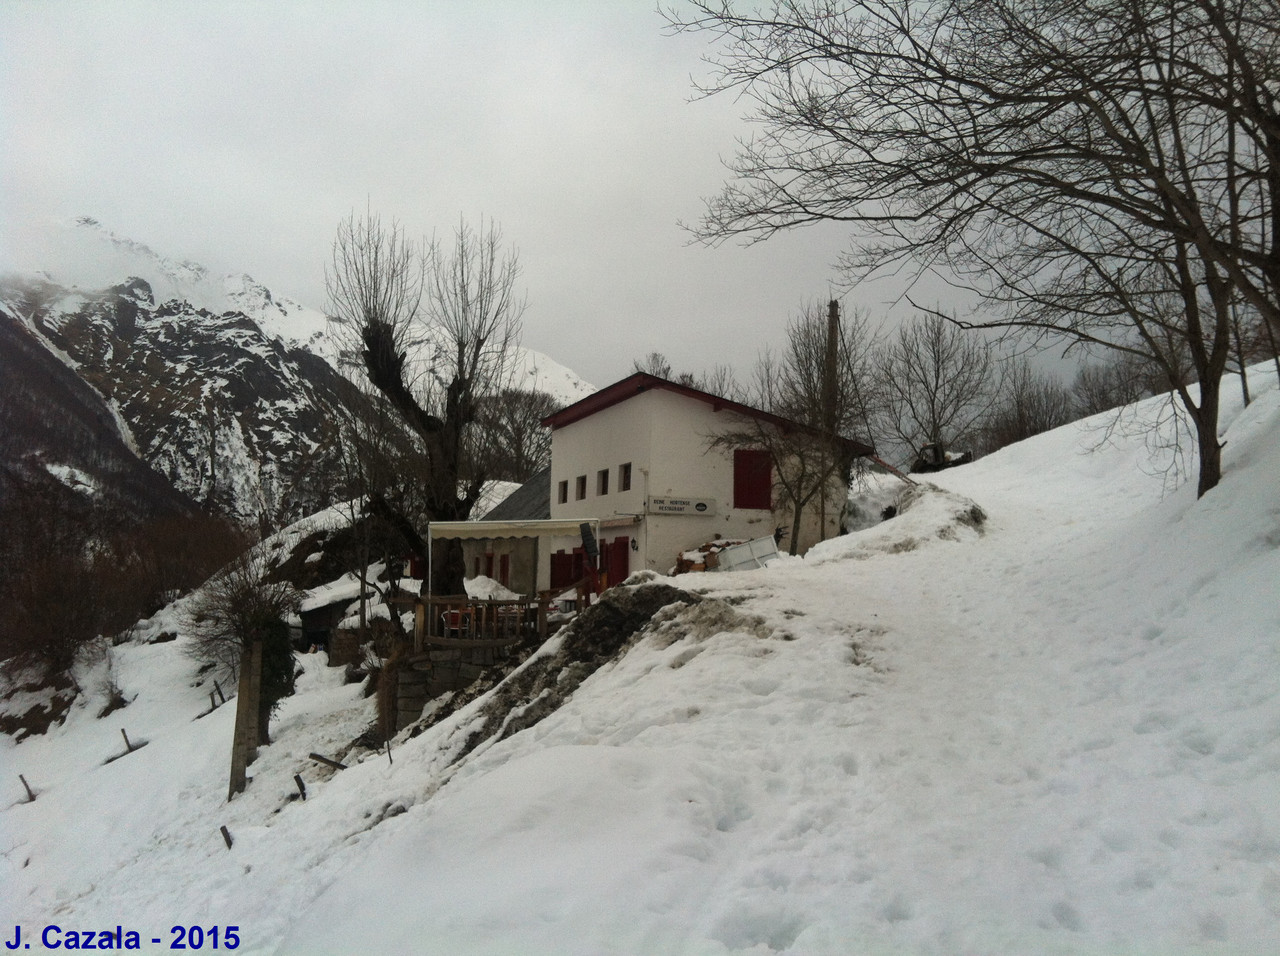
<point>705,557</point>
<point>727,554</point>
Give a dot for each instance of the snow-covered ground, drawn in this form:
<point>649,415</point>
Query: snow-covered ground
<point>1036,713</point>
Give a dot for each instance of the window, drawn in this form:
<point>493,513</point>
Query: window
<point>563,492</point>
<point>602,481</point>
<point>752,478</point>
<point>624,477</point>
<point>580,488</point>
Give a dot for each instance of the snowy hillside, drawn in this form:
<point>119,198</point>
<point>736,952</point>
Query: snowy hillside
<point>1036,713</point>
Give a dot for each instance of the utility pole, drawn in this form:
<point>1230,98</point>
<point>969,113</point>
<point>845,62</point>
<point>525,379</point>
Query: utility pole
<point>829,369</point>
<point>829,392</point>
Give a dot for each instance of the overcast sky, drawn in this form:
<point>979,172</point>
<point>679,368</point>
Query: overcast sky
<point>240,134</point>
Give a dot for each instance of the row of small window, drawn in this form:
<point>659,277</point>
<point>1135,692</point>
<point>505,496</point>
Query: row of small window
<point>602,484</point>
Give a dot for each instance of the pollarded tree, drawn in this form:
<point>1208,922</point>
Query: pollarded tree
<point>435,329</point>
<point>241,612</point>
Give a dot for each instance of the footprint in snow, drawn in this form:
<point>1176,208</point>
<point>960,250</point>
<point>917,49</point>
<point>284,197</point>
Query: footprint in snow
<point>1067,917</point>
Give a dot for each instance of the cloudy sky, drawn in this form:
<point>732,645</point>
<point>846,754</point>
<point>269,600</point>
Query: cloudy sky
<point>239,134</point>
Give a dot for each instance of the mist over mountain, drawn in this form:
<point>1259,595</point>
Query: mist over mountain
<point>226,389</point>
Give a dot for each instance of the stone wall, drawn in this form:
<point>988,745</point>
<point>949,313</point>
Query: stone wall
<point>436,671</point>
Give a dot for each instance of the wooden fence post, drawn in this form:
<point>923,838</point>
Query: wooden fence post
<point>244,742</point>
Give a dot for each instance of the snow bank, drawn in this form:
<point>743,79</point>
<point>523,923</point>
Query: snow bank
<point>925,513</point>
<point>1054,731</point>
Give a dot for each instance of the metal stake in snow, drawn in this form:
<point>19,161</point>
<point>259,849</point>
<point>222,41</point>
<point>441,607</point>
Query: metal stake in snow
<point>31,797</point>
<point>320,758</point>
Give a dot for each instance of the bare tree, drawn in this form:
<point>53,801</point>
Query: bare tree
<point>518,444</point>
<point>718,380</point>
<point>818,388</point>
<point>383,473</point>
<point>1027,403</point>
<point>934,386</point>
<point>1112,383</point>
<point>1104,174</point>
<point>655,363</point>
<point>434,329</point>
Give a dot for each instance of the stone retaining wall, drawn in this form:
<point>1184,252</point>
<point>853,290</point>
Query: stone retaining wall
<point>436,671</point>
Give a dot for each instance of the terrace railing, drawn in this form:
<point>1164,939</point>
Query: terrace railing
<point>464,622</point>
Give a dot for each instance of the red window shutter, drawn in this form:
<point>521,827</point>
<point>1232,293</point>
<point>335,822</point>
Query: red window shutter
<point>752,478</point>
<point>562,570</point>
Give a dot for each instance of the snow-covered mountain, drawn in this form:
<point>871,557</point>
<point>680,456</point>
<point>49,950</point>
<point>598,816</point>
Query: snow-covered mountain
<point>69,452</point>
<point>1038,712</point>
<point>89,256</point>
<point>234,418</point>
<point>227,389</point>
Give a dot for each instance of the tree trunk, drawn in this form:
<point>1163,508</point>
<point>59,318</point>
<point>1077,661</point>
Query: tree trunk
<point>448,567</point>
<point>796,518</point>
<point>264,716</point>
<point>1210,449</point>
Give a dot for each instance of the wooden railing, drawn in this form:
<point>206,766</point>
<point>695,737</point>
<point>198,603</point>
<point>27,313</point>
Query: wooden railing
<point>461,621</point>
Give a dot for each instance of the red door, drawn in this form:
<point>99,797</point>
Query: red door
<point>617,559</point>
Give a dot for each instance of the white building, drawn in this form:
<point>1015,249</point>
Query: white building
<point>636,461</point>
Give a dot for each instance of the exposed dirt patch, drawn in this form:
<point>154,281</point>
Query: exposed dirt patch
<point>709,617</point>
<point>597,636</point>
<point>32,707</point>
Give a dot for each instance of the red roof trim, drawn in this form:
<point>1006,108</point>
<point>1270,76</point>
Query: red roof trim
<point>640,382</point>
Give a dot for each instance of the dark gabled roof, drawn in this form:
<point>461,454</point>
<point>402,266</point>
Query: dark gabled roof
<point>640,382</point>
<point>530,502</point>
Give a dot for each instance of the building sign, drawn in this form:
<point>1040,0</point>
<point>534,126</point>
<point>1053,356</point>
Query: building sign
<point>682,506</point>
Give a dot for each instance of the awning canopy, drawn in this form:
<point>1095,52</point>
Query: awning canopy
<point>484,530</point>
<point>490,530</point>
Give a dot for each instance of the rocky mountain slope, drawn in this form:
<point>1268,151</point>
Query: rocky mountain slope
<point>64,451</point>
<point>229,391</point>
<point>234,418</point>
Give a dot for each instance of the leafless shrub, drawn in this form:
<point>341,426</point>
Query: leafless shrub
<point>237,608</point>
